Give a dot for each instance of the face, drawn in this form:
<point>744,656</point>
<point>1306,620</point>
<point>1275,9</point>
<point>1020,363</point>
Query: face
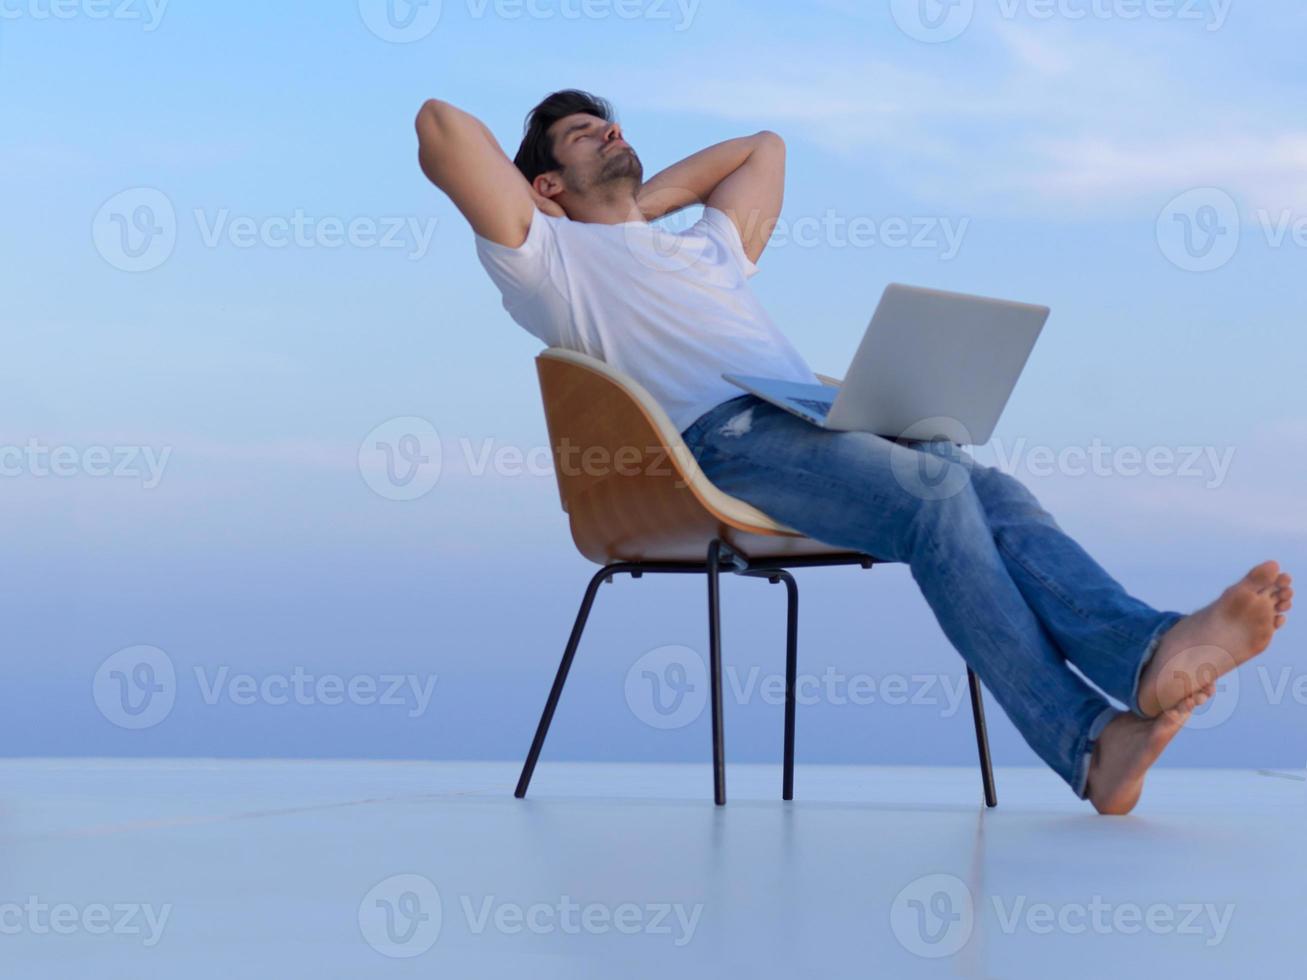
<point>593,155</point>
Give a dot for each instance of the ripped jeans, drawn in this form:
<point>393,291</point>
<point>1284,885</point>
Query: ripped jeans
<point>1017,598</point>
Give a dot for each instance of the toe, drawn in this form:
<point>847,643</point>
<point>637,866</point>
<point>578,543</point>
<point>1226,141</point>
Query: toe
<point>1263,575</point>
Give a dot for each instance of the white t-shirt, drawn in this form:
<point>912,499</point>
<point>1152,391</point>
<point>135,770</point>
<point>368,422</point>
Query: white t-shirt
<point>672,310</point>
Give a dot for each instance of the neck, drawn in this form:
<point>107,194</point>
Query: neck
<point>604,209</point>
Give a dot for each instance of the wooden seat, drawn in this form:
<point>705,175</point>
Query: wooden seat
<point>638,503</point>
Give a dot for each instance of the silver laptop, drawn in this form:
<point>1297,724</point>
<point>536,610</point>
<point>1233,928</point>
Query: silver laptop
<point>932,365</point>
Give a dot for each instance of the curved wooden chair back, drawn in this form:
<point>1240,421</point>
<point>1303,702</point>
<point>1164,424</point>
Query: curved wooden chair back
<point>628,482</point>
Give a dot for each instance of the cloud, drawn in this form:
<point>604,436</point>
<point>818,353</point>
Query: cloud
<point>1023,118</point>
<point>1263,171</point>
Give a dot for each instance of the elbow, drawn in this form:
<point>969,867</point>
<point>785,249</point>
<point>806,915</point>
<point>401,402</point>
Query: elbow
<point>437,119</point>
<point>432,125</point>
<point>438,126</point>
<point>432,113</point>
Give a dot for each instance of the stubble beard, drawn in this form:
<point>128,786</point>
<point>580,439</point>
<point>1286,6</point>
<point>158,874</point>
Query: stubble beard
<point>622,169</point>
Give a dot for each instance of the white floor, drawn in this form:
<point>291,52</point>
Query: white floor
<point>196,869</point>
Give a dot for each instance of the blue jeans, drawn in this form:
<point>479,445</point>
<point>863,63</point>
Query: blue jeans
<point>1016,597</point>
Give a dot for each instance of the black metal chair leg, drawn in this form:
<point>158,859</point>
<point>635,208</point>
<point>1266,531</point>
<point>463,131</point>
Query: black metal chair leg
<point>791,679</point>
<point>715,672</point>
<point>719,555</point>
<point>774,575</point>
<point>560,679</point>
<point>982,738</point>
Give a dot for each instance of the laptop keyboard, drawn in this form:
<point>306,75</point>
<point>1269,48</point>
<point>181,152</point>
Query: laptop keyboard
<point>813,405</point>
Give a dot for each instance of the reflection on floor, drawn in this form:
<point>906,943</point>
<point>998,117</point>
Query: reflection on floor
<point>197,869</point>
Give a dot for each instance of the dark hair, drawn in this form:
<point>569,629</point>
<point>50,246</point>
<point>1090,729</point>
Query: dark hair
<point>536,154</point>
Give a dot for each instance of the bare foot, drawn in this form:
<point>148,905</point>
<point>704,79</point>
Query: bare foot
<point>1216,639</point>
<point>1127,748</point>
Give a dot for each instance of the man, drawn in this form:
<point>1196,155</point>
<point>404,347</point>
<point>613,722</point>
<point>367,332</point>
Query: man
<point>564,231</point>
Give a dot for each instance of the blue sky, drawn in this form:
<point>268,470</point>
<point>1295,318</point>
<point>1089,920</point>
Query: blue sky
<point>1055,153</point>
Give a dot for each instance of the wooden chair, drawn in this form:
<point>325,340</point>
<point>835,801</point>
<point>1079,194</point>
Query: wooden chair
<point>638,502</point>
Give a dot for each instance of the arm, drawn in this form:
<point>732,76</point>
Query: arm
<point>461,157</point>
<point>743,177</point>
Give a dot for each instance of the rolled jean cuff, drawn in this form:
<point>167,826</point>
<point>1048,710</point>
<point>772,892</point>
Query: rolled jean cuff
<point>1168,620</point>
<point>1080,778</point>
